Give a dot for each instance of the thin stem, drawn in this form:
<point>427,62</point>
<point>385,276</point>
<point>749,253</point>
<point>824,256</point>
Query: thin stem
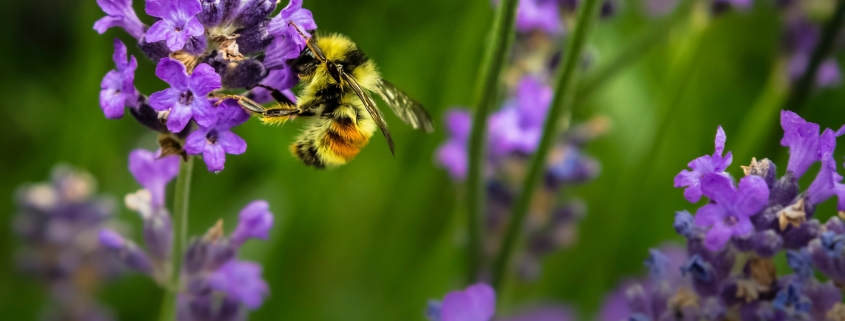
<point>180,229</point>
<point>498,47</point>
<point>802,88</point>
<point>561,105</point>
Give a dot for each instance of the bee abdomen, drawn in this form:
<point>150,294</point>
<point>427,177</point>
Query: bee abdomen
<point>307,153</point>
<point>343,140</point>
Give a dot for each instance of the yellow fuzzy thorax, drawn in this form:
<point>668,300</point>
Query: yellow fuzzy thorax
<point>335,47</point>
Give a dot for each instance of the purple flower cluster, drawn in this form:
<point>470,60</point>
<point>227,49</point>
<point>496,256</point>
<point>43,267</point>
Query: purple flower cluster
<point>746,224</point>
<point>800,39</point>
<point>216,285</point>
<point>202,46</point>
<point>57,223</point>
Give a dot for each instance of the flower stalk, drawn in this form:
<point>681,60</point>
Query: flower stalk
<point>561,106</point>
<point>500,39</point>
<point>180,229</point>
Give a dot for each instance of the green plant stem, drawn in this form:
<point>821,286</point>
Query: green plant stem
<point>498,47</point>
<point>561,105</point>
<point>801,90</point>
<point>180,236</point>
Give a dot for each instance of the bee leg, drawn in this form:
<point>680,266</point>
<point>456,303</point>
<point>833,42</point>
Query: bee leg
<point>277,95</point>
<point>247,104</point>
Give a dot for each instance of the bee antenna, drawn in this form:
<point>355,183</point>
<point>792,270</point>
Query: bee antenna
<point>309,43</point>
<point>298,30</point>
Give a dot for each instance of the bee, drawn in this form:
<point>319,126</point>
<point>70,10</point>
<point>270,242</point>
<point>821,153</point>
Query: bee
<point>335,100</point>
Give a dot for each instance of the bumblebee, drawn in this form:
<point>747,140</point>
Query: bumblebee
<point>335,100</point>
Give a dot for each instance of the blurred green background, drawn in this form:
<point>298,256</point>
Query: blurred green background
<point>375,239</point>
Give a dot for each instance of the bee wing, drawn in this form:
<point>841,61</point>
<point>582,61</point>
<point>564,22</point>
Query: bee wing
<point>371,108</point>
<point>410,111</point>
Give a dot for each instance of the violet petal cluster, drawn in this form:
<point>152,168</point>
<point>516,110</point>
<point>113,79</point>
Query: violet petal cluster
<point>475,303</point>
<point>201,47</point>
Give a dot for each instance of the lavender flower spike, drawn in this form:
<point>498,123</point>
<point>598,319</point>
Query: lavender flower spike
<point>715,163</point>
<point>118,86</point>
<point>255,221</point>
<point>730,214</point>
<point>476,303</point>
<point>453,154</point>
<point>828,181</point>
<point>241,280</point>
<point>153,173</point>
<point>119,13</point>
<point>802,138</point>
<point>186,98</point>
<point>279,26</point>
<point>178,24</point>
<point>217,140</point>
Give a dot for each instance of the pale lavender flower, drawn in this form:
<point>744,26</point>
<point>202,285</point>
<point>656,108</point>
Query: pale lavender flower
<point>217,140</point>
<point>453,154</point>
<point>186,98</point>
<point>178,22</point>
<point>126,251</point>
<point>118,86</point>
<point>153,172</point>
<point>241,280</point>
<point>730,214</point>
<point>828,181</point>
<point>517,127</point>
<point>715,163</point>
<point>254,221</point>
<point>119,13</point>
<point>542,15</point>
<point>476,303</point>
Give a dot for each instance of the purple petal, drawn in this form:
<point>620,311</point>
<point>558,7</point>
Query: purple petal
<point>534,100</point>
<point>304,19</point>
<point>538,15</point>
<point>718,188</point>
<point>708,215</point>
<point>690,180</point>
<point>828,74</point>
<point>176,40</point>
<point>119,56</point>
<point>187,8</point>
<point>717,237</point>
<point>159,8</point>
<point>254,221</point>
<point>720,140</point>
<point>802,138</point>
<point>119,14</point>
<point>159,31</point>
<point>194,28</point>
<point>459,123</point>
<point>743,227</point>
<point>230,114</point>
<point>203,80</point>
<point>173,72</point>
<point>291,8</point>
<point>111,239</point>
<point>153,172</point>
<point>165,99</point>
<point>453,156</point>
<point>179,117</point>
<point>112,103</point>
<point>231,143</point>
<point>279,51</point>
<point>128,86</point>
<point>242,281</point>
<point>214,157</point>
<point>203,112</point>
<point>196,141</point>
<point>753,195</point>
<point>476,303</point>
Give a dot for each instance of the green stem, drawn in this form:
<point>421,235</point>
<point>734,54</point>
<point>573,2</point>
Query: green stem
<point>180,236</point>
<point>498,47</point>
<point>802,88</point>
<point>561,105</point>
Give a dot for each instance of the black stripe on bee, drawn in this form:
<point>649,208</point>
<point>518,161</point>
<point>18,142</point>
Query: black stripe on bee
<point>352,60</point>
<point>308,155</point>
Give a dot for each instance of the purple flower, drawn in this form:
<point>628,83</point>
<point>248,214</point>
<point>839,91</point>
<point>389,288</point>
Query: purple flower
<point>519,125</point>
<point>119,13</point>
<point>453,154</point>
<point>178,22</point>
<point>153,172</point>
<point>254,221</point>
<point>217,140</point>
<point>281,79</point>
<point>802,138</point>
<point>186,98</point>
<point>241,280</point>
<point>730,214</point>
<point>279,26</point>
<point>543,15</point>
<point>828,74</point>
<point>476,303</point>
<point>118,86</point>
<point>126,251</point>
<point>715,163</point>
<point>828,181</point>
